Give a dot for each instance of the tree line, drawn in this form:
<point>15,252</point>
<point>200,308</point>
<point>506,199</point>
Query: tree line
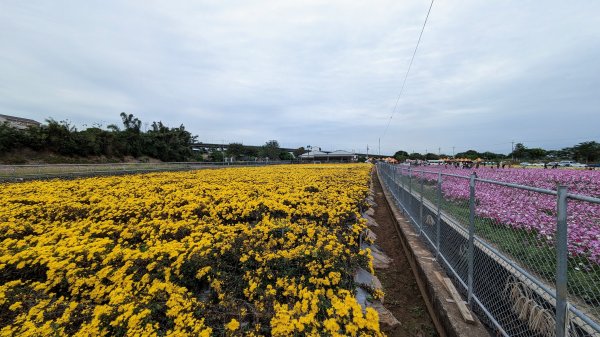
<point>585,152</point>
<point>158,141</point>
<point>270,150</point>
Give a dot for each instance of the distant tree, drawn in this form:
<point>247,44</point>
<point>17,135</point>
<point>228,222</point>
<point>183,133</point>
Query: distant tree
<point>60,138</point>
<point>131,123</point>
<point>586,152</point>
<point>91,141</point>
<point>519,151</point>
<point>565,153</point>
<point>236,150</point>
<point>131,135</point>
<point>401,155</point>
<point>286,156</point>
<point>491,155</point>
<point>431,156</point>
<point>299,151</point>
<point>270,150</point>
<point>251,152</point>
<point>415,156</point>
<point>10,138</point>
<point>536,153</point>
<point>470,154</point>
<point>161,142</point>
<point>215,155</point>
<point>167,144</point>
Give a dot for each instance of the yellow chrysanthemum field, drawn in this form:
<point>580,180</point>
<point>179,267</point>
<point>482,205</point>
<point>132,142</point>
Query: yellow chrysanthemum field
<point>236,251</point>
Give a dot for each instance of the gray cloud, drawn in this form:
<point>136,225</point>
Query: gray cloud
<point>324,74</point>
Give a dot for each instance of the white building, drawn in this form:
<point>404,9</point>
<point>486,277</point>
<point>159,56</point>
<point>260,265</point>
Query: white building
<point>18,122</point>
<point>330,156</point>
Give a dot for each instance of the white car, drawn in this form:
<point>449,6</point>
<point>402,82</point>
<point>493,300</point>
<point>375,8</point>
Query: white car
<point>578,165</point>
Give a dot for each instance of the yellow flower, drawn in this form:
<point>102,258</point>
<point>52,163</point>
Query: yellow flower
<point>233,325</point>
<point>129,249</point>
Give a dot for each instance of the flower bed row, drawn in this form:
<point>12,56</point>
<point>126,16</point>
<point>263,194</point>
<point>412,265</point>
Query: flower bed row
<point>252,251</point>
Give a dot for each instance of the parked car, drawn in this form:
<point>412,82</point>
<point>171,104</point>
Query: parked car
<point>566,163</point>
<point>578,165</point>
<point>593,165</point>
<point>525,164</point>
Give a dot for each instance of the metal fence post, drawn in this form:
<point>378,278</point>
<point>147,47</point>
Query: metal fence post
<point>439,213</point>
<point>410,189</point>
<point>402,190</point>
<point>398,181</point>
<point>395,187</point>
<point>470,251</point>
<point>421,206</point>
<point>561,262</point>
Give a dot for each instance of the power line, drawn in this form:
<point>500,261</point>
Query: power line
<point>408,70</point>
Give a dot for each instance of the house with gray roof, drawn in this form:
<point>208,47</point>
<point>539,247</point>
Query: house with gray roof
<point>18,122</point>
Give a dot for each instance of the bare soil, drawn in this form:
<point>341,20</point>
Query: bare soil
<point>402,296</point>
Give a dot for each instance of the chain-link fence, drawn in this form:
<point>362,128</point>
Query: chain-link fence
<point>527,259</point>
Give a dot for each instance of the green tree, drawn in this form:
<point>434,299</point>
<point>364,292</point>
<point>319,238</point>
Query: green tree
<point>536,153</point>
<point>299,151</point>
<point>59,137</point>
<point>491,155</point>
<point>10,138</point>
<point>431,156</point>
<point>161,142</point>
<point>469,154</point>
<point>286,156</point>
<point>587,152</point>
<point>131,135</point>
<point>401,155</point>
<point>519,151</point>
<point>236,150</point>
<point>215,155</point>
<point>270,150</point>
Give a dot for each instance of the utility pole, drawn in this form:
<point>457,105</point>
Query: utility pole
<point>453,151</point>
<point>367,151</point>
<point>439,151</point>
<point>379,149</point>
<point>512,152</point>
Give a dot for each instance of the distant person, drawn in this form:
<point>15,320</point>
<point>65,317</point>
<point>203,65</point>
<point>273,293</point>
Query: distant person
<point>545,165</point>
<point>477,165</point>
<point>555,165</point>
<point>503,165</point>
<point>497,164</point>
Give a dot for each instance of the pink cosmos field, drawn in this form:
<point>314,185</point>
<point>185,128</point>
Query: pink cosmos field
<point>532,211</point>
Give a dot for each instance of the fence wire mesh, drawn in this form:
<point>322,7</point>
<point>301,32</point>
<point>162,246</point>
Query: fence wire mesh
<point>499,242</point>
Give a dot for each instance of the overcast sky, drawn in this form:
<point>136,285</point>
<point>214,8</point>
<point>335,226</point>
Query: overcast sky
<point>320,73</point>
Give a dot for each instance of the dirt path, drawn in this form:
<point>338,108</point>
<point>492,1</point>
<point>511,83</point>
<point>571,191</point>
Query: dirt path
<point>402,295</point>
